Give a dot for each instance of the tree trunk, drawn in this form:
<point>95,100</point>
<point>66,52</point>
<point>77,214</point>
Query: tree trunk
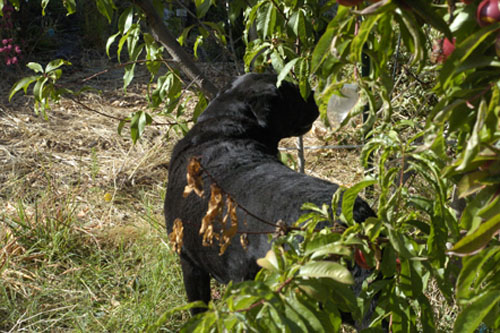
<point>184,60</point>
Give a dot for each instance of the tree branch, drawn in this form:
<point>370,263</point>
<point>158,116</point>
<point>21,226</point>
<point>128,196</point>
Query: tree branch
<point>184,60</point>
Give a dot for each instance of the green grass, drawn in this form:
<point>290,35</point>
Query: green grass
<point>57,274</point>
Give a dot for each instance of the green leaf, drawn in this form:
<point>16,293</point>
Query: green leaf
<point>304,87</point>
<point>218,30</point>
<point>134,48</point>
<point>476,241</point>
<point>359,41</point>
<point>200,106</point>
<point>254,50</point>
<point>23,83</point>
<point>299,26</point>
<point>106,8</point>
<point>38,89</point>
<point>469,274</point>
<point>235,10</point>
<point>388,261</point>
<point>166,316</point>
<point>277,60</point>
<point>295,317</point>
<point>35,67</point>
<point>269,262</point>
<point>314,319</point>
<point>412,36</point>
<point>54,64</point>
<point>463,50</point>
<point>202,7</point>
<point>426,314</point>
<point>288,67</point>
<point>121,124</point>
<point>471,183</point>
<point>328,250</point>
<point>472,148</point>
<point>44,5</point>
<point>323,211</point>
<point>200,323</point>
<point>184,34</point>
<point>128,76</point>
<point>153,52</point>
<point>398,242</point>
<point>492,319</point>
<point>110,41</point>
<point>326,269</point>
<point>322,49</point>
<point>253,14</point>
<point>121,42</point>
<point>137,124</point>
<point>70,6</point>
<point>268,21</point>
<point>470,216</point>
<point>422,203</point>
<point>349,198</point>
<point>126,20</point>
<point>197,43</point>
<point>429,15</point>
<point>472,315</point>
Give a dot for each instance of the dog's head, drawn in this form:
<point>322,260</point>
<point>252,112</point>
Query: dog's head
<point>281,112</point>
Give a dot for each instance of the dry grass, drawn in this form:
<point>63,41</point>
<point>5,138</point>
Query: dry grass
<point>76,195</point>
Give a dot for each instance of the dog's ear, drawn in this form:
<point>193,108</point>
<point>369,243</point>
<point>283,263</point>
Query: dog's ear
<point>263,101</point>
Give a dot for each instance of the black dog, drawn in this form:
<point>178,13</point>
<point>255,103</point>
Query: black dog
<point>236,139</point>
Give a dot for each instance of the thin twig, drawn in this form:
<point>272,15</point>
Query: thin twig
<point>409,72</point>
<point>124,64</point>
<point>86,107</point>
<point>280,11</point>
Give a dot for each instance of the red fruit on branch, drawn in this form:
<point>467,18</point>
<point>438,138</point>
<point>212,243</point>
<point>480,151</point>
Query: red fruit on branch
<point>349,3</point>
<point>360,259</point>
<point>488,12</point>
<point>442,49</point>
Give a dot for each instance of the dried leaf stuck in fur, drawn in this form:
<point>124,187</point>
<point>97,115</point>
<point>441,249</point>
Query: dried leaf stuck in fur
<point>194,181</point>
<point>228,233</point>
<point>177,235</point>
<point>215,206</point>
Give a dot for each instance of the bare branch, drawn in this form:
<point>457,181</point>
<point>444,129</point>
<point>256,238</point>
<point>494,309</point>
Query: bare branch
<point>124,64</point>
<point>86,107</point>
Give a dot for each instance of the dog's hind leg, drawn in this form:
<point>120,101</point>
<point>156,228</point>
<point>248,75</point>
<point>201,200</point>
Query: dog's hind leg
<point>196,283</point>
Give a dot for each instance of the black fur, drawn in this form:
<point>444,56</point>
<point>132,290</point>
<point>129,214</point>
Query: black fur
<point>237,138</point>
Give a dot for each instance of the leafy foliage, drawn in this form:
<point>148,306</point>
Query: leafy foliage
<point>44,89</point>
<point>450,146</point>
